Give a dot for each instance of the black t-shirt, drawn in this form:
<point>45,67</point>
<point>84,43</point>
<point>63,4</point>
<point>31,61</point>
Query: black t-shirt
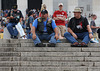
<point>17,15</point>
<point>78,25</point>
<point>98,31</point>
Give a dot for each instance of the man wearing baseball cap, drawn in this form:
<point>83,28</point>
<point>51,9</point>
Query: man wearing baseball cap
<point>44,28</point>
<point>78,28</point>
<point>14,17</point>
<point>60,16</point>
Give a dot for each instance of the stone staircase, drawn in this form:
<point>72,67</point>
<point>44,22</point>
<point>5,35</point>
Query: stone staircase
<point>21,55</point>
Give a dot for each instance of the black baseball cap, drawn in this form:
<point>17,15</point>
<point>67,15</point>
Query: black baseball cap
<point>31,12</point>
<point>44,11</point>
<point>14,6</point>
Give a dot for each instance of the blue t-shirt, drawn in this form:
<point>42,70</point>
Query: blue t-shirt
<point>35,23</point>
<point>30,20</point>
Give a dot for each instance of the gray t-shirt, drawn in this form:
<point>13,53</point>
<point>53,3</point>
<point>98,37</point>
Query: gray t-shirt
<point>93,24</point>
<point>30,20</point>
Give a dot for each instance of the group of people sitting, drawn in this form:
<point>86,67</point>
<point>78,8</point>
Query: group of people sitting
<point>45,28</point>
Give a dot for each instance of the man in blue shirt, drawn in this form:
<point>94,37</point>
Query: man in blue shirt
<point>44,28</point>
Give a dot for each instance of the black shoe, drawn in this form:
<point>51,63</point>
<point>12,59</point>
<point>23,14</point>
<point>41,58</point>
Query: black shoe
<point>76,44</point>
<point>15,37</point>
<point>83,44</point>
<point>12,37</point>
<point>40,45</point>
<point>51,45</point>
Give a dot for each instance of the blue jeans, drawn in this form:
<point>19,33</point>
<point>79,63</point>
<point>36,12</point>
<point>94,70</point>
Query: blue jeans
<point>23,26</point>
<point>13,32</point>
<point>84,36</point>
<point>28,34</point>
<point>40,37</point>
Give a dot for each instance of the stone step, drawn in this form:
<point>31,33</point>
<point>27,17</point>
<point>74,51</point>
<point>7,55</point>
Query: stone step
<point>47,63</point>
<point>25,41</point>
<point>49,49</point>
<point>56,54</point>
<point>56,49</point>
<point>49,68</point>
<point>64,54</point>
<point>55,63</point>
<point>59,45</point>
<point>67,59</point>
<point>42,49</point>
<point>56,68</point>
<point>9,54</point>
<point>32,45</point>
<point>28,40</point>
<point>5,69</point>
<point>51,54</point>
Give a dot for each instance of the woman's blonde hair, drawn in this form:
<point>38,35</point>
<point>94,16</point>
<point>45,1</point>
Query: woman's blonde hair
<point>43,6</point>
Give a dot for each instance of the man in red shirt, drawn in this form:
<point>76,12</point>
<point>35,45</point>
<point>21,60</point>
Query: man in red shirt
<point>60,16</point>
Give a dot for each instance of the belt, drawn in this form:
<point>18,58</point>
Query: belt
<point>45,33</point>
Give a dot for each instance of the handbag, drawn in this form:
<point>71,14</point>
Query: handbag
<point>20,29</point>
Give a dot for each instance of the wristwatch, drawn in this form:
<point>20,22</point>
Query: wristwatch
<point>90,32</point>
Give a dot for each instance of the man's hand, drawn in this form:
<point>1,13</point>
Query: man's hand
<point>91,36</point>
<point>62,18</point>
<point>59,17</point>
<point>11,17</point>
<point>74,35</point>
<point>56,18</point>
<point>56,36</point>
<point>34,36</point>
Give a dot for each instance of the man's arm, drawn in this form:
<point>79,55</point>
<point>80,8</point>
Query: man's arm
<point>30,25</point>
<point>9,17</point>
<point>56,18</point>
<point>33,29</point>
<point>31,20</point>
<point>73,34</point>
<point>56,33</point>
<point>55,29</point>
<point>62,18</point>
<point>94,27</point>
<point>20,20</point>
<point>21,16</point>
<point>90,31</point>
<point>33,32</point>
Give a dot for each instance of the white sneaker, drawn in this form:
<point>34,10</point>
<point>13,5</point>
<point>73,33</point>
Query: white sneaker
<point>24,38</point>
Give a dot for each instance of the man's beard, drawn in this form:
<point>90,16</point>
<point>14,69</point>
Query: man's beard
<point>43,19</point>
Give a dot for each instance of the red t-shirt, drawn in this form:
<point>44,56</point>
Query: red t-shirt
<point>39,14</point>
<point>60,14</point>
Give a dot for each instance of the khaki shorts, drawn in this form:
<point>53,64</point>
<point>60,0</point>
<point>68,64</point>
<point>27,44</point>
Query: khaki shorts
<point>61,30</point>
<point>95,35</point>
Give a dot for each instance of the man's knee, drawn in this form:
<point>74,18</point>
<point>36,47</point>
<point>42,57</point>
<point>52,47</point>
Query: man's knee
<point>67,34</point>
<point>9,25</point>
<point>86,34</point>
